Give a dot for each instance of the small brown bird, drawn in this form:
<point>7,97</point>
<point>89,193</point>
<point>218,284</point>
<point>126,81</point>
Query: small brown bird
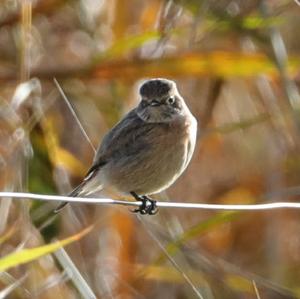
<point>147,150</point>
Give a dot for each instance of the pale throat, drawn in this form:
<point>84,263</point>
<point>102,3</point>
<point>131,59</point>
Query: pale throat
<point>159,116</point>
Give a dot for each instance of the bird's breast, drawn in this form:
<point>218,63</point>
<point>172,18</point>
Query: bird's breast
<point>167,150</point>
<point>170,155</point>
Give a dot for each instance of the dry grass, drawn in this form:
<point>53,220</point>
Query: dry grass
<point>237,65</point>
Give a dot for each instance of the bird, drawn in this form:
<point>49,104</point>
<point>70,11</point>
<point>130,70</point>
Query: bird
<point>147,150</point>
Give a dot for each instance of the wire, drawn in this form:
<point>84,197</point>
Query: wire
<point>160,204</point>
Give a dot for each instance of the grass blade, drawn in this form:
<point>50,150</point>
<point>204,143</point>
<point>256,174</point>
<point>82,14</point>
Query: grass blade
<point>27,255</point>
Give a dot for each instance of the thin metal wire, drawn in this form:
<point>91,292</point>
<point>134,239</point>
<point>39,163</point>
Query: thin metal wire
<point>160,204</point>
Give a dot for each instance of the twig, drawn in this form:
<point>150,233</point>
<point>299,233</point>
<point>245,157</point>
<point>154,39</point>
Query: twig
<point>181,205</point>
<point>171,259</point>
<point>80,283</point>
<point>281,59</point>
<point>256,289</point>
<point>74,114</point>
<point>4,293</point>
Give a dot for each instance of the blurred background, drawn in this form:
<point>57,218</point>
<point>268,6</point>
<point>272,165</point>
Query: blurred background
<point>237,65</point>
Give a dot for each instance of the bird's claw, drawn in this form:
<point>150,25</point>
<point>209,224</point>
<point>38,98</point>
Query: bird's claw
<point>148,206</point>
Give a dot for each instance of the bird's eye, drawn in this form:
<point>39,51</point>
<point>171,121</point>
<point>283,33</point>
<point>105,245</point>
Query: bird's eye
<point>171,100</point>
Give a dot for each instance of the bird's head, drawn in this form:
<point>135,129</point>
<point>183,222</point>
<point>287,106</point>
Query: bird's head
<point>160,101</point>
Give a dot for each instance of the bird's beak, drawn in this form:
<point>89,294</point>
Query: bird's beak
<point>155,103</point>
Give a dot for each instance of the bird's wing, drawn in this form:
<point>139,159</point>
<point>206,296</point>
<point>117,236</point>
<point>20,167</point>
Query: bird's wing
<point>116,140</point>
<point>126,138</point>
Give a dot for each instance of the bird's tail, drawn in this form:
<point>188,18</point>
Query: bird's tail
<point>89,185</point>
<point>74,193</point>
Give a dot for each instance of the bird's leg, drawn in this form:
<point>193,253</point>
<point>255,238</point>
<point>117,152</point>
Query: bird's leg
<point>148,205</point>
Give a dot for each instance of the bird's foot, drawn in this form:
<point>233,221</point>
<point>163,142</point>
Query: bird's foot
<point>148,205</point>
